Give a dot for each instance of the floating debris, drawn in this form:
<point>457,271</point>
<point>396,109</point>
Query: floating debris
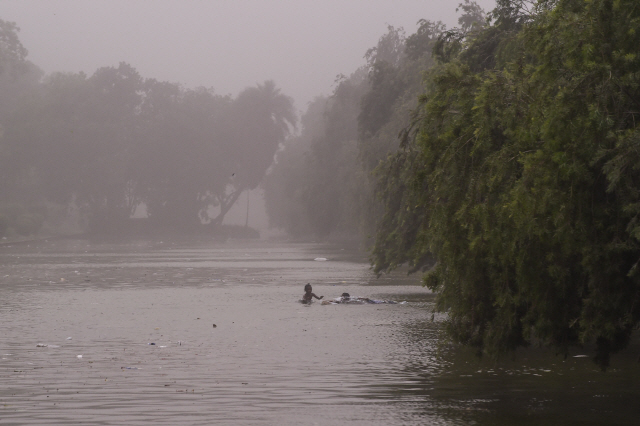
<point>352,300</point>
<point>41,345</point>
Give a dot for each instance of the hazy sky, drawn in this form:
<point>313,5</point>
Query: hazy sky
<point>225,44</point>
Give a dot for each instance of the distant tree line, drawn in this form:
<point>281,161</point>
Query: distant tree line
<point>502,158</point>
<point>113,141</point>
<point>321,184</point>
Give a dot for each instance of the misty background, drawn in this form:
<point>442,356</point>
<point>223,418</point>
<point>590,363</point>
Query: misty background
<point>224,44</point>
<point>306,52</point>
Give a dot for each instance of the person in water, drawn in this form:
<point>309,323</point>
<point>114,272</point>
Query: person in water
<point>308,295</point>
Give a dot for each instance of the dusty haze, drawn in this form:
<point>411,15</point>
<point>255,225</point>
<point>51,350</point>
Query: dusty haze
<point>227,45</point>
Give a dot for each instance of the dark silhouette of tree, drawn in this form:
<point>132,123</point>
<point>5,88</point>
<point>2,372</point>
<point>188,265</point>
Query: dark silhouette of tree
<point>261,117</point>
<point>183,152</point>
<point>19,80</point>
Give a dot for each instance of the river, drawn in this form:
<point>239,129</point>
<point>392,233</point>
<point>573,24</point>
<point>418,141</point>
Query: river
<point>196,333</point>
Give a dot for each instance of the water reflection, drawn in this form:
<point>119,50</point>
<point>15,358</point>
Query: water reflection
<point>532,387</point>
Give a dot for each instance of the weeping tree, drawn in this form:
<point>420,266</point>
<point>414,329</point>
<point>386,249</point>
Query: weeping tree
<point>521,179</point>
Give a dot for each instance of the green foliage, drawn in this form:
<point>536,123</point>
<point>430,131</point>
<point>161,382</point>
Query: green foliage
<point>523,179</point>
<point>420,45</point>
<point>378,103</point>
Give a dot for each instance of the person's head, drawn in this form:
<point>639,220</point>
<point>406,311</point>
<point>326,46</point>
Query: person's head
<point>346,296</point>
<point>307,288</point>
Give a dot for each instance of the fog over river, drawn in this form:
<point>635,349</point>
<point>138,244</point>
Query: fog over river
<point>195,333</point>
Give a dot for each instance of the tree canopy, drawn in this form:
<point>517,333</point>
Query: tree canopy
<point>522,179</point>
<point>114,141</point>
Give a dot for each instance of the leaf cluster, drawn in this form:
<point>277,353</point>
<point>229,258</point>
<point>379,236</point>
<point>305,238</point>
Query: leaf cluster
<point>522,180</point>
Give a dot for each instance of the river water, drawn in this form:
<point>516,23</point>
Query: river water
<point>194,333</point>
